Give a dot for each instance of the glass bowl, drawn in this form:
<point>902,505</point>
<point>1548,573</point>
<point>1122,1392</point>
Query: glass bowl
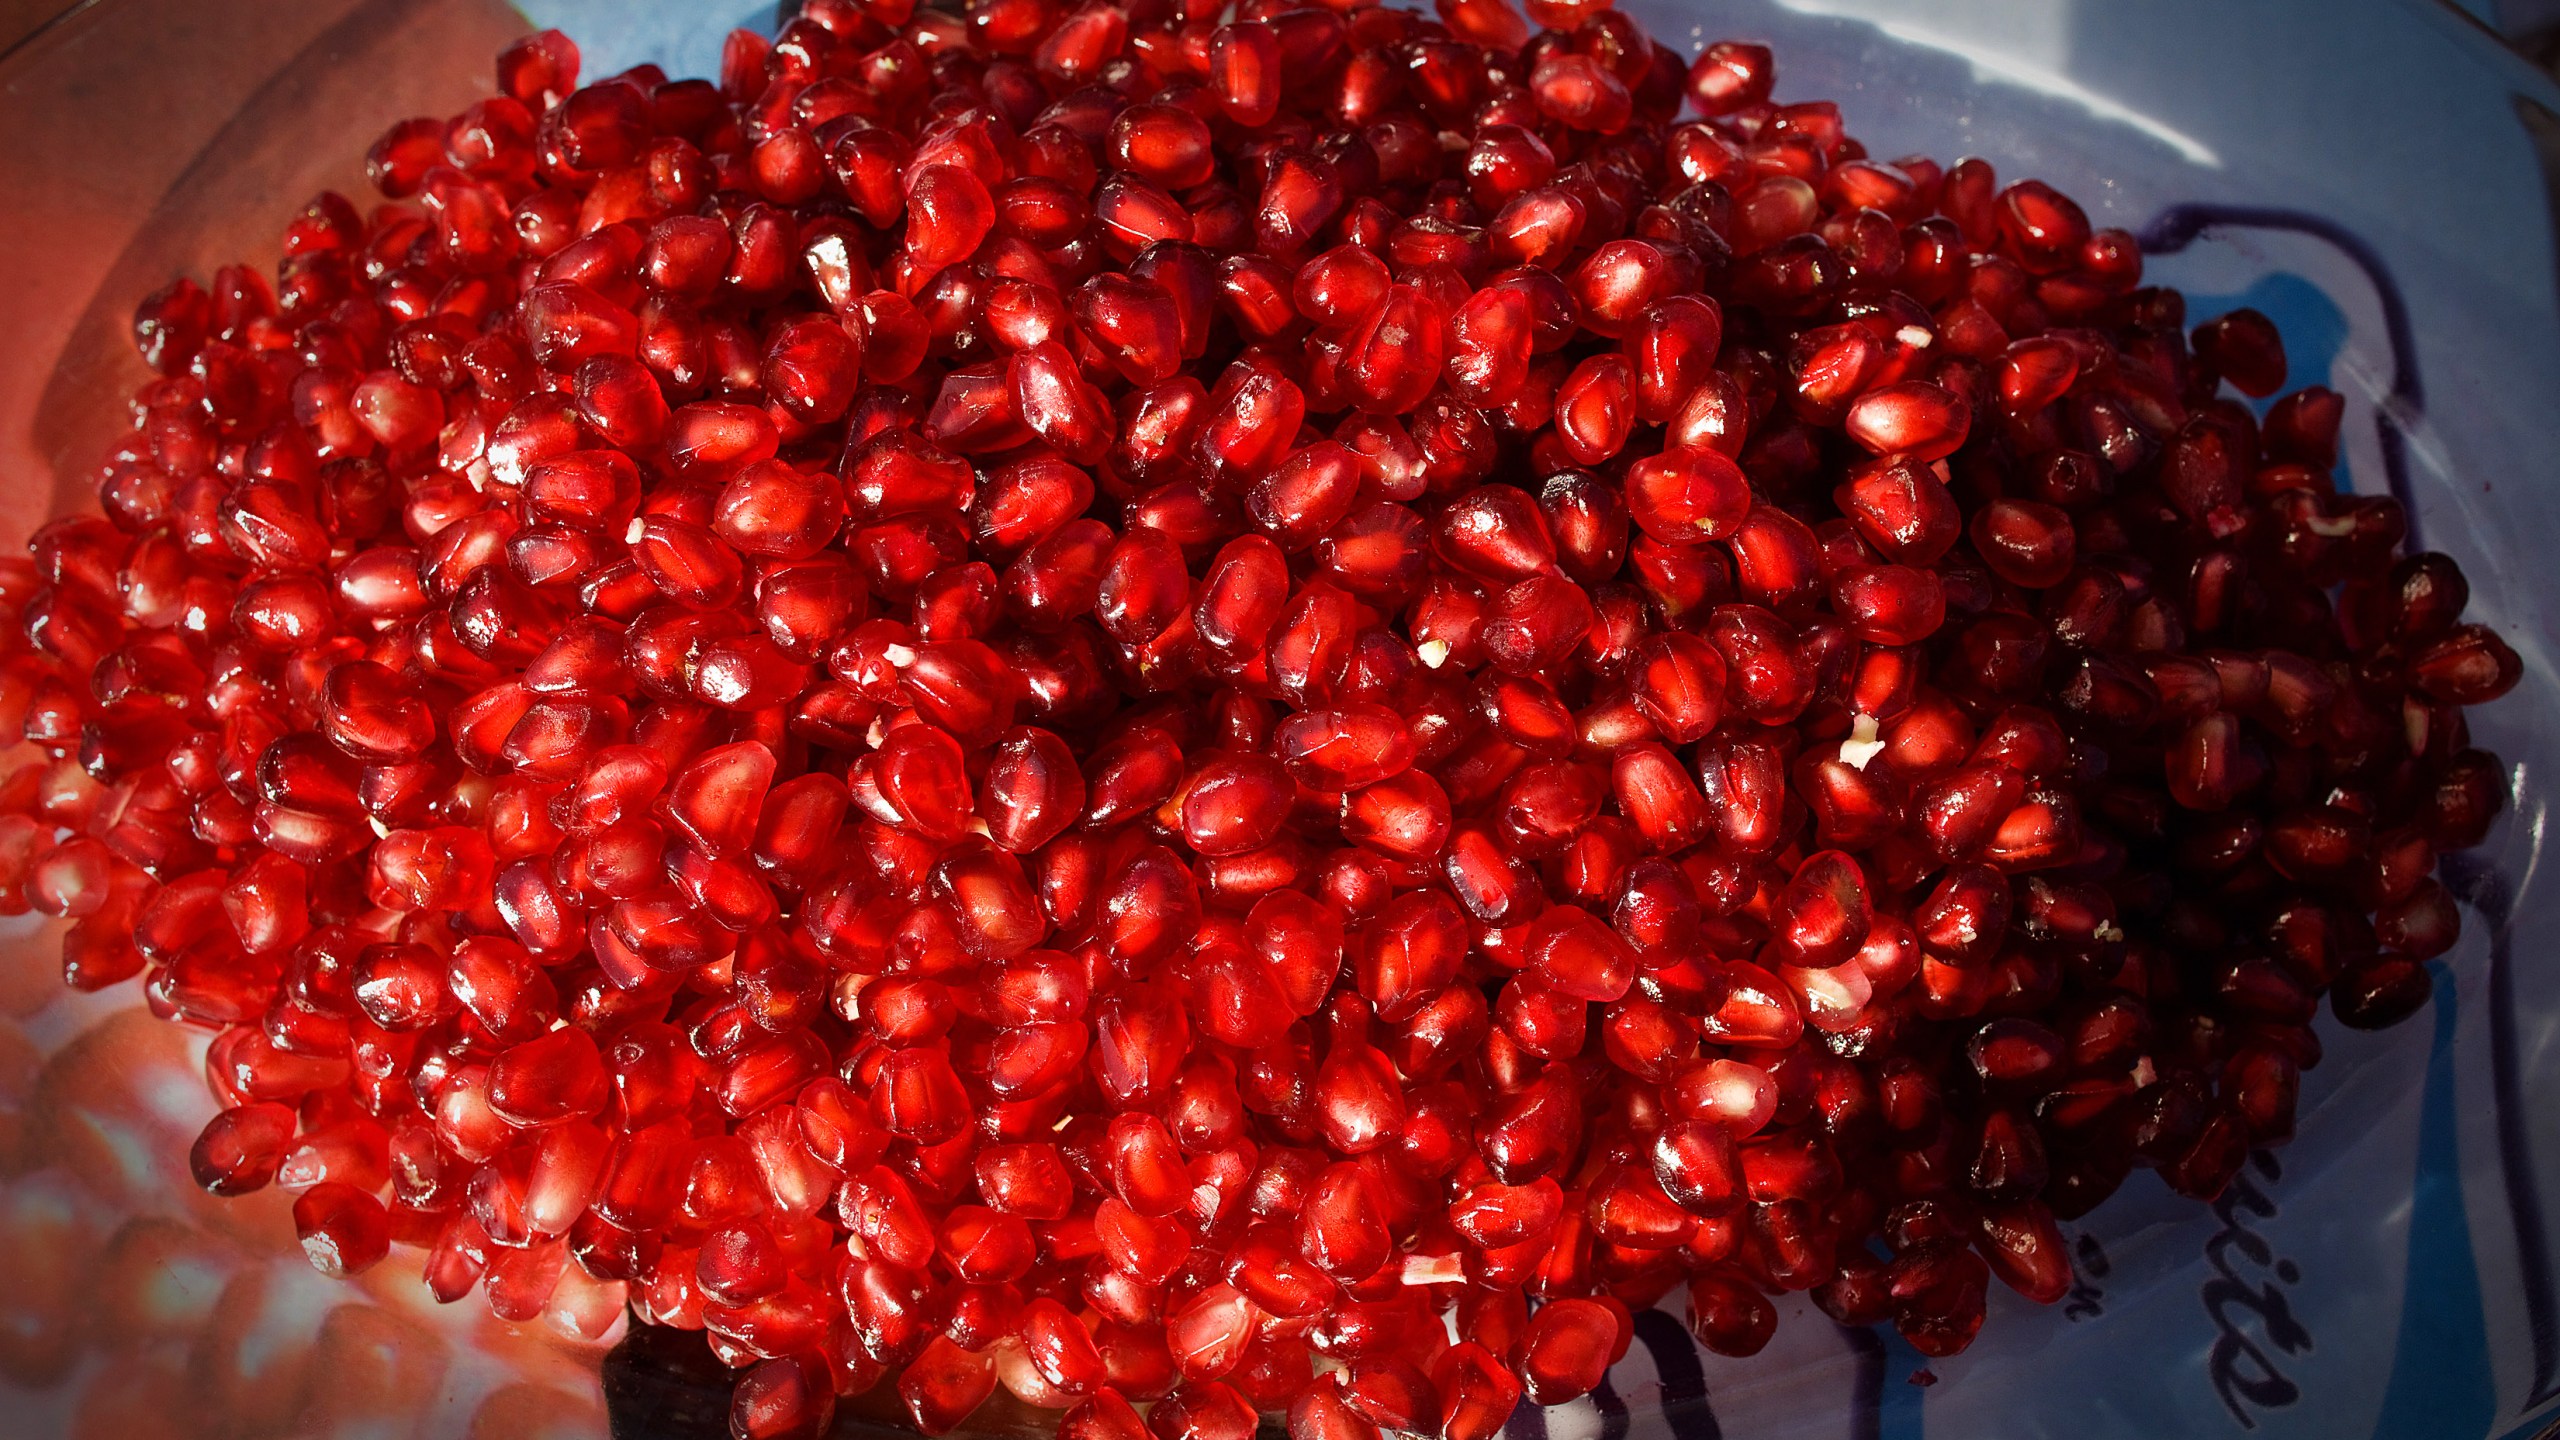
<point>2378,175</point>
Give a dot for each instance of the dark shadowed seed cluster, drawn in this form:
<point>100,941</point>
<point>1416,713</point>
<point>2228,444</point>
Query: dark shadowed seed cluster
<point>1226,712</point>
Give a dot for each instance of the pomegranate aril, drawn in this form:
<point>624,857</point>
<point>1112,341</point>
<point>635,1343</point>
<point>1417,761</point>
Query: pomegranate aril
<point>241,1148</point>
<point>944,1385</point>
<point>2244,348</point>
<point>344,1231</point>
<point>1684,496</point>
<point>1565,1350</point>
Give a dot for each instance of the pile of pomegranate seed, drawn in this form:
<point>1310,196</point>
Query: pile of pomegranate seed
<point>1249,715</point>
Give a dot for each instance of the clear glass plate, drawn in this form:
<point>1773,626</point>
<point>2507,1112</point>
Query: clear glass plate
<point>2376,174</point>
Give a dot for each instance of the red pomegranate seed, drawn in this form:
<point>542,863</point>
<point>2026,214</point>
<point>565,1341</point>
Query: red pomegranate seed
<point>1567,1346</point>
<point>344,1231</point>
<point>1681,497</point>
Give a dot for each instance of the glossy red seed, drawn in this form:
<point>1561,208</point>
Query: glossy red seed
<point>1574,953</point>
<point>241,1148</point>
<point>344,1231</point>
<point>1915,419</point>
<point>1729,75</point>
<point>1729,1315</point>
<point>2244,348</point>
<point>1565,1350</point>
<point>1682,497</point>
